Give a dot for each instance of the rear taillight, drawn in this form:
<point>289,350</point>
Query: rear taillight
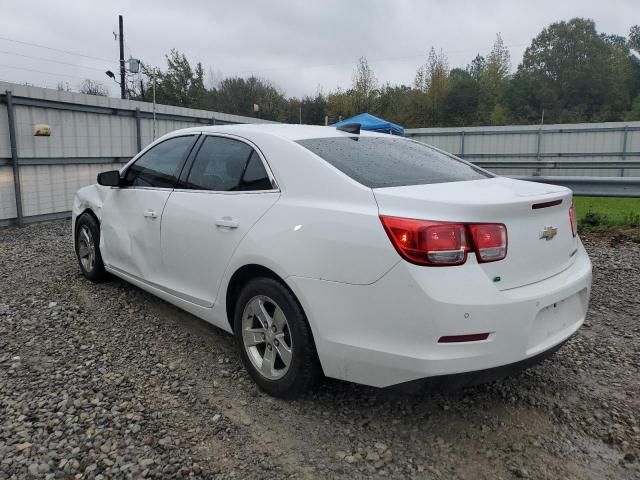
<point>572,219</point>
<point>425,242</point>
<point>490,241</point>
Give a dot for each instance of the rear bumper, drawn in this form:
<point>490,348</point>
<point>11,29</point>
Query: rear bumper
<point>387,333</point>
<point>477,377</point>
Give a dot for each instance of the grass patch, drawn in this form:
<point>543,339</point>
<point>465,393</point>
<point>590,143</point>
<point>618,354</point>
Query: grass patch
<point>597,211</point>
<point>619,216</point>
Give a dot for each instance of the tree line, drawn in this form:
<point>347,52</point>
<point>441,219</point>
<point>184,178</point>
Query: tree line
<point>570,73</point>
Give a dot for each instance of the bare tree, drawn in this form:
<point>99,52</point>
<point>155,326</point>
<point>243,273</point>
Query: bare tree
<point>365,86</point>
<point>63,87</point>
<point>432,79</point>
<point>92,87</point>
<point>432,76</point>
<point>499,60</point>
<point>494,78</point>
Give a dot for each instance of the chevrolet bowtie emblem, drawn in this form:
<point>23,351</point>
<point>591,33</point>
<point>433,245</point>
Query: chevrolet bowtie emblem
<point>548,233</point>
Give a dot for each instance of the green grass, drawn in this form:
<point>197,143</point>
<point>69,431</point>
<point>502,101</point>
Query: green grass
<point>607,211</point>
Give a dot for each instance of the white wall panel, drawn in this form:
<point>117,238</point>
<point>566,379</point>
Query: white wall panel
<point>51,188</point>
<point>7,198</point>
<point>5,146</point>
<point>633,141</point>
<point>74,134</point>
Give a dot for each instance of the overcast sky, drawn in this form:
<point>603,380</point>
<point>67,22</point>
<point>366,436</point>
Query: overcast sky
<point>300,46</point>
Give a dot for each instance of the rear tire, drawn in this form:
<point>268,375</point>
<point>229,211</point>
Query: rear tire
<point>88,248</point>
<point>274,338</point>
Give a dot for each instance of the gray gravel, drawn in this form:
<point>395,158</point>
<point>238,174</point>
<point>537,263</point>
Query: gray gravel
<point>106,381</point>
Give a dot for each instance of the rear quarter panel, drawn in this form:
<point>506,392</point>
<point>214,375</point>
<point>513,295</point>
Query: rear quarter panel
<point>324,226</point>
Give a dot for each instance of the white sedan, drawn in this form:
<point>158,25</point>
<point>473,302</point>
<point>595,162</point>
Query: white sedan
<point>364,257</point>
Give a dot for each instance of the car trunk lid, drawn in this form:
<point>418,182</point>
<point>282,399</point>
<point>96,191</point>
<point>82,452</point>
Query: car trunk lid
<point>540,240</point>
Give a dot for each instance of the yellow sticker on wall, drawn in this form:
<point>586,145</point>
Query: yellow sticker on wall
<point>41,130</point>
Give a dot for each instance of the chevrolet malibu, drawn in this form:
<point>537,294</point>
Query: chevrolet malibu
<point>364,257</point>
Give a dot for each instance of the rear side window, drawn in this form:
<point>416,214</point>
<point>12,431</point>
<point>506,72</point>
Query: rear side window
<point>378,162</point>
<point>158,167</point>
<point>225,164</point>
<point>255,176</point>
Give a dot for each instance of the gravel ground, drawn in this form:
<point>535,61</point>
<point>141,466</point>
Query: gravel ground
<point>107,381</point>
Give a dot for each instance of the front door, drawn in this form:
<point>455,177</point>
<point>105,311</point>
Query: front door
<point>224,193</point>
<point>131,214</point>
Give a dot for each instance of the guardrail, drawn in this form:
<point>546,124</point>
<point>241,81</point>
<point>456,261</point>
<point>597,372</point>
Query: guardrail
<point>602,149</point>
<point>593,186</point>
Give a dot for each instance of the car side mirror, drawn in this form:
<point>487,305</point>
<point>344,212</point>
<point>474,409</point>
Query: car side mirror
<point>109,179</point>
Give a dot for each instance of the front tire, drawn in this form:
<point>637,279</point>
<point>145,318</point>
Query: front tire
<point>88,248</point>
<point>275,340</point>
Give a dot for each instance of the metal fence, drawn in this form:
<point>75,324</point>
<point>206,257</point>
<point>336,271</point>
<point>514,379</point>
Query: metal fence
<point>587,149</point>
<point>591,158</point>
<point>39,175</point>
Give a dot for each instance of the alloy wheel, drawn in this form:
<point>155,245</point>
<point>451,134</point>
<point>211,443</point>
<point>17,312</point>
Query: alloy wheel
<point>266,337</point>
<point>86,249</point>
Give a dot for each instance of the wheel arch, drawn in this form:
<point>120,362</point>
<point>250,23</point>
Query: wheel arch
<point>240,278</point>
<point>88,211</point>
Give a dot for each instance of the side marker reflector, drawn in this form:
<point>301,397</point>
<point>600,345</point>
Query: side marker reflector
<point>474,337</point>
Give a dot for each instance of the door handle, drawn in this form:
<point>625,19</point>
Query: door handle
<point>150,214</point>
<point>227,222</point>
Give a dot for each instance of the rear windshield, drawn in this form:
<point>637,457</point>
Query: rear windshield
<point>378,162</point>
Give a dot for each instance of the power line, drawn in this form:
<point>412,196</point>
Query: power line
<point>51,60</point>
<point>43,72</point>
<point>68,52</point>
<point>268,69</point>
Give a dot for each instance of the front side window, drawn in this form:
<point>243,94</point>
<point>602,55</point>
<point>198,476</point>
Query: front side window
<point>379,162</point>
<point>224,164</point>
<point>158,167</point>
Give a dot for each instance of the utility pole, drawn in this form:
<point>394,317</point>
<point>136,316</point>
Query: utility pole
<point>154,103</point>
<point>123,86</point>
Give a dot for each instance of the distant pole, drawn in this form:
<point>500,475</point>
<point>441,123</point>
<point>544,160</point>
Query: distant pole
<point>154,103</point>
<point>300,114</point>
<point>138,130</point>
<point>538,170</point>
<point>14,157</point>
<point>326,120</point>
<point>123,94</point>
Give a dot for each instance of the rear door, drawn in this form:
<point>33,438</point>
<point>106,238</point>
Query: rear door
<point>130,226</point>
<point>225,188</point>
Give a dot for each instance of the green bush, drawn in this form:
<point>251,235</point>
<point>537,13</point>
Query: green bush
<point>592,219</point>
<point>632,219</point>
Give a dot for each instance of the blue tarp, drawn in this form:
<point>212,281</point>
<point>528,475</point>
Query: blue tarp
<point>374,124</point>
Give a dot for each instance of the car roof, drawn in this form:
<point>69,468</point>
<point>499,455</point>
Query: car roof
<point>282,130</point>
